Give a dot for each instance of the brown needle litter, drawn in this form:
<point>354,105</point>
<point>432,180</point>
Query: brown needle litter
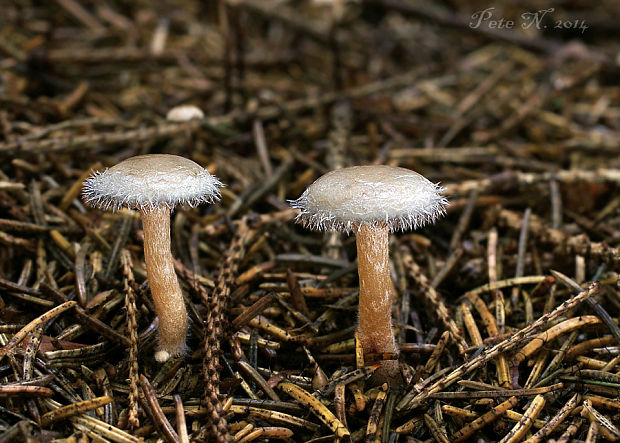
<point>502,317</point>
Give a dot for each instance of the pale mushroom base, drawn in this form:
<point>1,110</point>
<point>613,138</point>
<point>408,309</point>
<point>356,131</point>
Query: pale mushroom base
<point>164,356</point>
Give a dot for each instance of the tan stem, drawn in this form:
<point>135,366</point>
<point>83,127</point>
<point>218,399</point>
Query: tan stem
<point>376,289</point>
<point>165,288</point>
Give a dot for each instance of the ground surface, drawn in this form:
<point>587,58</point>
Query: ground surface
<point>514,109</point>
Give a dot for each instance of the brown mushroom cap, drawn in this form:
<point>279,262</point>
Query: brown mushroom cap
<point>345,198</point>
<point>149,181</point>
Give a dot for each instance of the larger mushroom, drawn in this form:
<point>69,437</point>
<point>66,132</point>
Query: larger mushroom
<point>372,201</point>
<point>154,184</point>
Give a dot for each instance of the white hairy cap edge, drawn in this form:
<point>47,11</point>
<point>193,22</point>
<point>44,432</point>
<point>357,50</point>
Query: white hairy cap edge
<point>150,181</point>
<point>343,199</point>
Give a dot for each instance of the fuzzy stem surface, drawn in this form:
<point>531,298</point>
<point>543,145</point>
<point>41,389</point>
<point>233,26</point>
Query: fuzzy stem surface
<point>376,289</point>
<point>165,289</point>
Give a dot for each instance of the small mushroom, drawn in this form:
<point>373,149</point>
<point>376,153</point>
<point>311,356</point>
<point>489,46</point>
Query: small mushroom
<point>184,113</point>
<point>155,184</point>
<point>372,201</point>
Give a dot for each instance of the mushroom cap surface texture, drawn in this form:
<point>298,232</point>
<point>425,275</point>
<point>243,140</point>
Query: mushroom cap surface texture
<point>345,198</point>
<point>150,181</point>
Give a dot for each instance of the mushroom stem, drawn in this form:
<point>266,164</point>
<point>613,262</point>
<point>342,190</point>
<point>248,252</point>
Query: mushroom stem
<point>164,284</point>
<point>376,289</point>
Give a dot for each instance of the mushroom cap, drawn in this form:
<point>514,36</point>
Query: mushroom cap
<point>345,198</point>
<point>151,181</point>
<point>184,113</point>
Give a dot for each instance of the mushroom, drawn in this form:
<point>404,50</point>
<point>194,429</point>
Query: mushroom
<point>155,184</point>
<point>184,113</point>
<point>372,201</point>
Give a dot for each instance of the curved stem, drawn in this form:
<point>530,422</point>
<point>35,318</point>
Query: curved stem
<point>376,289</point>
<point>165,288</point>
